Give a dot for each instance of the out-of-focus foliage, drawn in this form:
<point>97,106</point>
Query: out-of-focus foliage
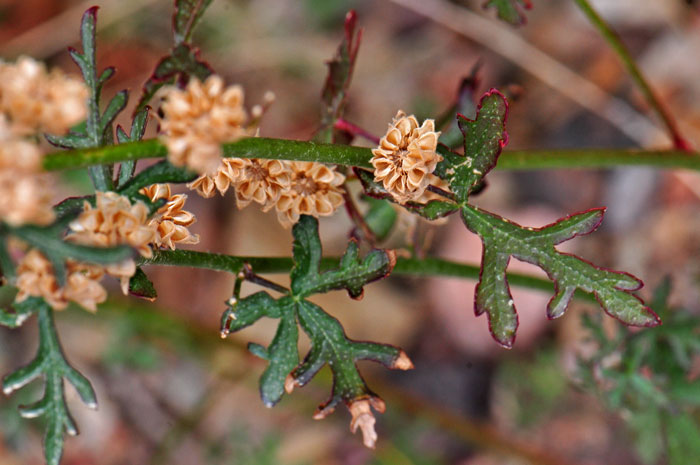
<point>651,377</point>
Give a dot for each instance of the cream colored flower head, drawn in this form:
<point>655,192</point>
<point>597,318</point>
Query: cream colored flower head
<point>198,119</point>
<point>114,221</point>
<point>261,181</point>
<point>254,180</point>
<point>35,277</point>
<point>171,221</point>
<point>315,189</point>
<point>41,101</point>
<point>25,194</point>
<point>406,156</point>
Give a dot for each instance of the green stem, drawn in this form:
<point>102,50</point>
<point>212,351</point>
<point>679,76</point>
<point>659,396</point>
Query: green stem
<point>522,160</point>
<point>150,148</point>
<point>404,266</point>
<point>260,147</point>
<point>629,63</point>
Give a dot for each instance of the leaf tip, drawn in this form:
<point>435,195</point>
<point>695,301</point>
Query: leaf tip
<point>290,383</point>
<point>92,11</point>
<point>402,362</point>
<point>391,255</point>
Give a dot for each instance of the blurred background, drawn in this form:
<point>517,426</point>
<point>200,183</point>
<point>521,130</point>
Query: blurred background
<point>172,392</point>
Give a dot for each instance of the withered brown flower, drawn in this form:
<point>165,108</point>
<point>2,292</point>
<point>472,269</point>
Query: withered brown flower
<point>113,221</point>
<point>198,119</point>
<point>315,190</point>
<point>406,156</point>
<point>35,277</point>
<point>40,101</point>
<point>171,220</point>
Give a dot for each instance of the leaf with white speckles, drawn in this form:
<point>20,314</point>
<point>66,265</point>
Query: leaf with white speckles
<point>503,239</point>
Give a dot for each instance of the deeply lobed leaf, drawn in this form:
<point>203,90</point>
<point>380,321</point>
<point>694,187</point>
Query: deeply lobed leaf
<point>51,364</point>
<point>329,344</point>
<point>503,239</point>
<point>353,272</point>
<point>484,139</point>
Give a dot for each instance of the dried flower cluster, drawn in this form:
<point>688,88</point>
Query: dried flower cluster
<point>36,100</point>
<point>316,190</point>
<point>256,180</point>
<point>35,277</point>
<point>24,198</point>
<point>406,157</point>
<point>171,220</point>
<point>292,188</point>
<point>199,118</point>
<point>32,100</point>
<point>114,221</point>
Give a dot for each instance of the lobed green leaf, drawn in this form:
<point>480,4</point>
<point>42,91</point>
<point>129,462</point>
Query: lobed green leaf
<point>51,364</point>
<point>484,139</point>
<point>503,239</point>
<point>352,274</point>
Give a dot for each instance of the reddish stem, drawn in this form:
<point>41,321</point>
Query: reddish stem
<point>355,130</point>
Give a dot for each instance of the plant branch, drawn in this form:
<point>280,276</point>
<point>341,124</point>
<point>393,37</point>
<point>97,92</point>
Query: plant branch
<point>260,147</point>
<point>501,39</point>
<point>423,267</point>
<point>629,63</point>
<point>355,130</point>
<point>522,160</point>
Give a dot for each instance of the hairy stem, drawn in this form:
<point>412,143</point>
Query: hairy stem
<point>260,147</point>
<point>631,66</point>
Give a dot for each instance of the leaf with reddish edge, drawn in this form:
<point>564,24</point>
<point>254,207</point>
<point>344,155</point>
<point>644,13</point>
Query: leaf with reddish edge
<point>141,286</point>
<point>183,63</point>
<point>186,16</point>
<point>335,89</point>
<point>510,11</point>
<point>503,239</point>
<point>484,139</point>
<point>464,103</point>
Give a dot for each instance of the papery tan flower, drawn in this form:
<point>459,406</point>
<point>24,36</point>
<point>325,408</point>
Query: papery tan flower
<point>198,119</point>
<point>261,181</point>
<point>254,179</point>
<point>114,221</point>
<point>40,101</point>
<point>406,156</point>
<point>315,190</point>
<point>227,174</point>
<point>25,195</point>
<point>25,198</point>
<point>35,277</point>
<point>171,220</point>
